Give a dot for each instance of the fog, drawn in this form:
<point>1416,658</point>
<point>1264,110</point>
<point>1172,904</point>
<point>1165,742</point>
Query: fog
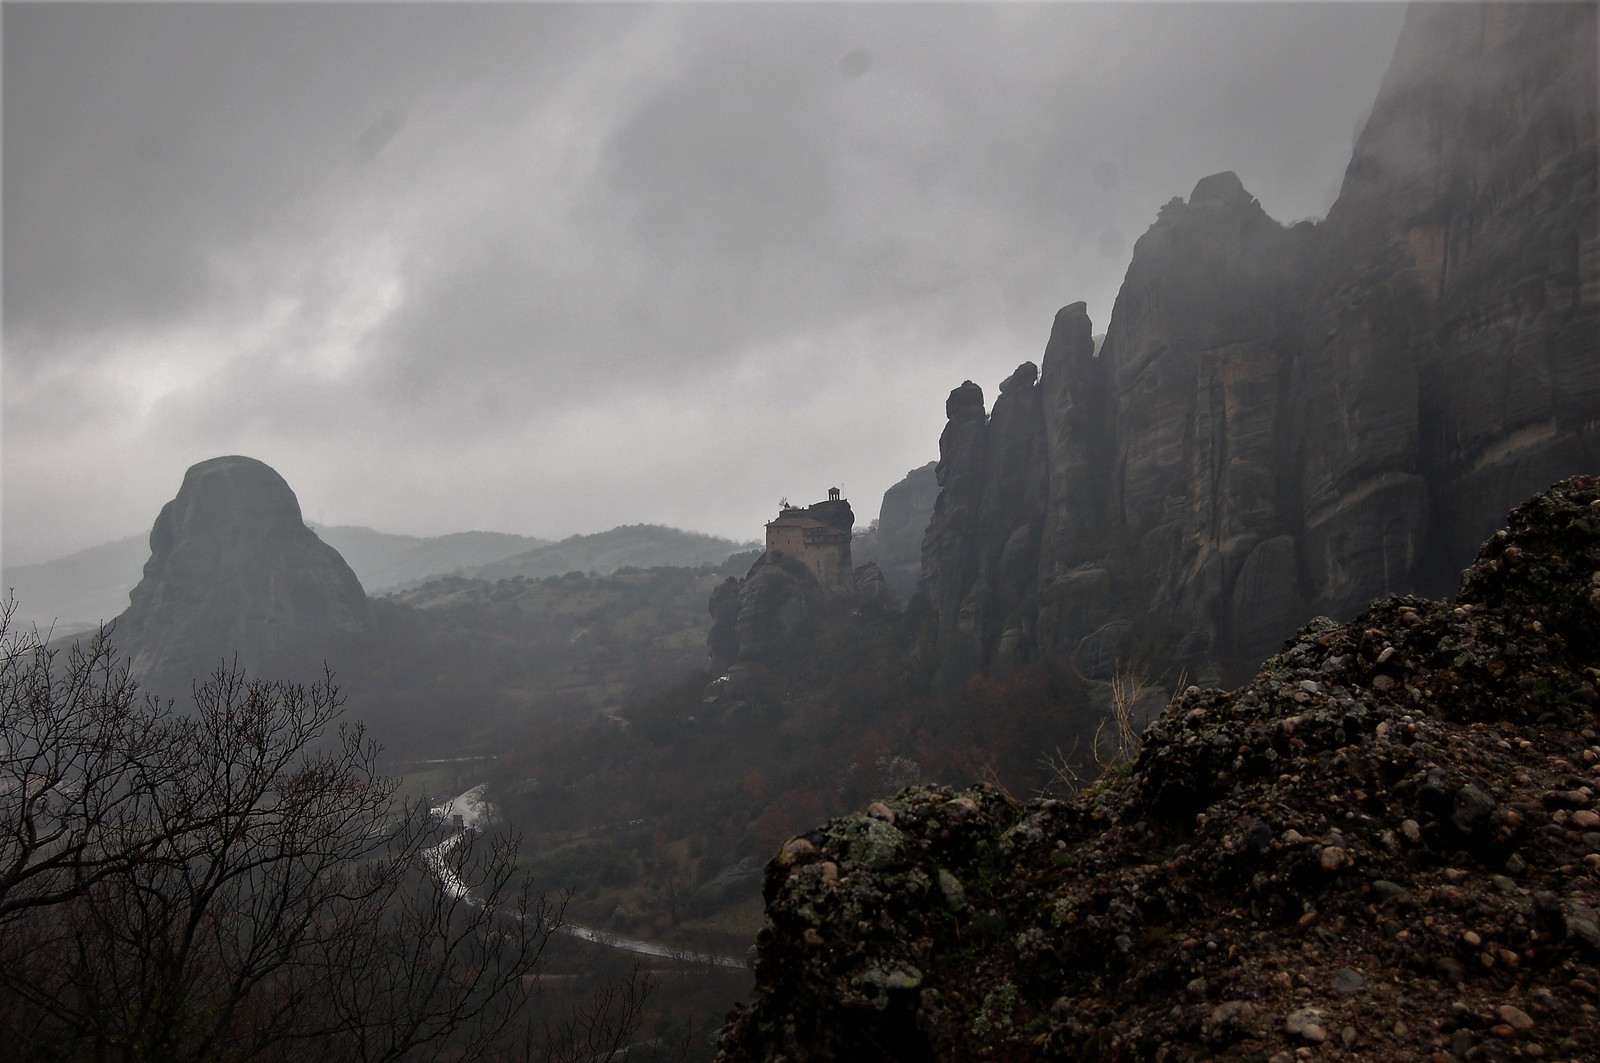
<point>547,269</point>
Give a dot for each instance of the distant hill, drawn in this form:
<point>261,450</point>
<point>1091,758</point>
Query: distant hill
<point>77,592</point>
<point>628,546</point>
<point>80,590</point>
<point>385,562</point>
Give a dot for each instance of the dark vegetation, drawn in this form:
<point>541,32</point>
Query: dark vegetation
<point>685,782</point>
<point>468,666</point>
<point>235,882</point>
<point>627,546</point>
<point>638,782</point>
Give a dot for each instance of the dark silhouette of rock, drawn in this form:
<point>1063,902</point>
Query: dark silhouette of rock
<point>1288,420</point>
<point>871,587</point>
<point>896,543</point>
<point>235,575</point>
<point>753,618</point>
<point>1079,441</point>
<point>1011,518</point>
<point>950,547</point>
<point>738,880</point>
<point>773,600</point>
<point>805,571</point>
<point>1199,342</point>
<point>723,638</point>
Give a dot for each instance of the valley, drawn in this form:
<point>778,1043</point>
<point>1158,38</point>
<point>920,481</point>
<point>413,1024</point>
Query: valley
<point>1225,689</point>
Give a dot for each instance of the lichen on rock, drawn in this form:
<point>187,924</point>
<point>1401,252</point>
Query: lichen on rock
<point>1387,844</point>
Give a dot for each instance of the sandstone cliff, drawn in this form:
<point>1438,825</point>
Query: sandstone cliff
<point>1386,846</point>
<point>1288,420</point>
<point>235,574</point>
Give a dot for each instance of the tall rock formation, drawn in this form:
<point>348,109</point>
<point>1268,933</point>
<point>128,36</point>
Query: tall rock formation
<point>1011,522</point>
<point>1450,361</point>
<point>805,568</point>
<point>949,547</point>
<point>895,545</point>
<point>1284,421</point>
<point>235,574</point>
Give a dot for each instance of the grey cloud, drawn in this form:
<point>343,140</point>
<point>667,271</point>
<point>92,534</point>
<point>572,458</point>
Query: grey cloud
<point>142,139</point>
<point>582,206</point>
<point>376,136</point>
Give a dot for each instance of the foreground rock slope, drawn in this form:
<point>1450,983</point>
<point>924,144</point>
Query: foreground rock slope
<point>1385,846</point>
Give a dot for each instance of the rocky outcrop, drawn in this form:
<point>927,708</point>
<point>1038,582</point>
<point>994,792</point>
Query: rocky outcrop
<point>1011,517</point>
<point>1385,847</point>
<point>235,575</point>
<point>1200,340</point>
<point>776,597</point>
<point>980,552</point>
<point>1288,420</point>
<point>723,638</point>
<point>805,570</point>
<point>949,547</point>
<point>895,544</point>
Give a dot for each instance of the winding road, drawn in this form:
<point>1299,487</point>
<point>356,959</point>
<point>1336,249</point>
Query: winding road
<point>474,810</point>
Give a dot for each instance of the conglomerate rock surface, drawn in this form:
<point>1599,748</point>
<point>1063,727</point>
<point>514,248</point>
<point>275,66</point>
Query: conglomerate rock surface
<point>1386,846</point>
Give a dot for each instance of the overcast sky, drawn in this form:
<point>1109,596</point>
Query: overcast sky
<point>549,269</point>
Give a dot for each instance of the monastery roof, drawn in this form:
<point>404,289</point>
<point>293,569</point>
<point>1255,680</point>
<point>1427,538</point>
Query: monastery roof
<point>796,519</point>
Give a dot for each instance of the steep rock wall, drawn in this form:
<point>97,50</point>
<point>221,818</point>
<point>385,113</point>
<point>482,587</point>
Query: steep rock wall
<point>235,575</point>
<point>895,545</point>
<point>1450,365</point>
<point>1285,421</point>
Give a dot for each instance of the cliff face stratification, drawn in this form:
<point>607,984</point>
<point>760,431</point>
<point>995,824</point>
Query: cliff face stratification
<point>1290,420</point>
<point>1386,846</point>
<point>235,574</point>
<point>1449,366</point>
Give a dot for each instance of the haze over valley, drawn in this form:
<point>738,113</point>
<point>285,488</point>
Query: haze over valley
<point>956,531</point>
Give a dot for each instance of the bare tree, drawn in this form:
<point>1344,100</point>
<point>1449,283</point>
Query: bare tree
<point>235,883</point>
<point>80,756</point>
<point>600,1029</point>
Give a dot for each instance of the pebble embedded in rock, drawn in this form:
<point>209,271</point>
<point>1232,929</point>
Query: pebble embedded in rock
<point>1306,1023</point>
<point>1346,980</point>
<point>1515,1017</point>
<point>955,896</point>
<point>794,850</point>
